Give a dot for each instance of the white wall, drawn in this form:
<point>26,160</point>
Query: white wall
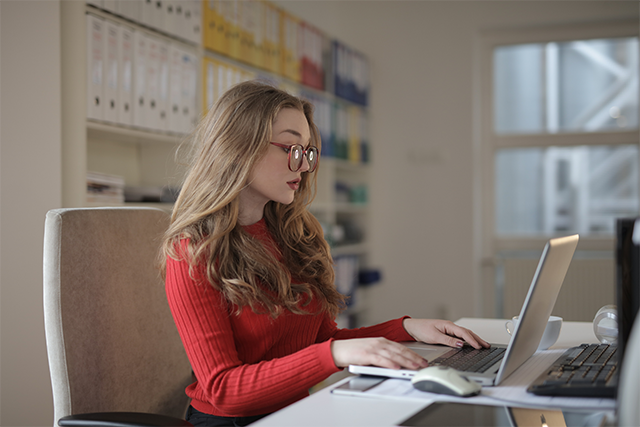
<point>30,178</point>
<point>422,133</point>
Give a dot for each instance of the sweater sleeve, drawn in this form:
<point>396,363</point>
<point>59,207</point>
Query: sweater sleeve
<point>229,386</point>
<point>391,329</point>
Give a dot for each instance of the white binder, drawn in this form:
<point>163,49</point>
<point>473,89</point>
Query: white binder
<point>182,24</point>
<point>189,94</point>
<point>110,80</point>
<point>175,89</point>
<point>126,74</point>
<point>112,6</point>
<point>149,14</point>
<point>191,27</point>
<point>152,80</point>
<point>132,9</point>
<point>211,83</point>
<point>95,67</point>
<point>172,17</point>
<point>196,26</point>
<point>163,86</point>
<point>140,101</point>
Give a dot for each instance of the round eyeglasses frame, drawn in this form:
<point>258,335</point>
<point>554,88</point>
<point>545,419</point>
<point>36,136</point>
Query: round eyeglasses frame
<point>292,160</point>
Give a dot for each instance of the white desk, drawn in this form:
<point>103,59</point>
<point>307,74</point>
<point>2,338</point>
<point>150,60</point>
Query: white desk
<point>323,408</point>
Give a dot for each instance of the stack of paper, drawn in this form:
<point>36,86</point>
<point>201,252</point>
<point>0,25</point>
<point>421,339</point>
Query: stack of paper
<point>104,189</point>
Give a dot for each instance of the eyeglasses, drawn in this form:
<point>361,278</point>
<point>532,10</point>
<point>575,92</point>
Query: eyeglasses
<point>296,151</point>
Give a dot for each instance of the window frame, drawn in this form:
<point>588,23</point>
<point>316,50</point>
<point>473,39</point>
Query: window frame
<point>489,142</point>
<point>487,247</point>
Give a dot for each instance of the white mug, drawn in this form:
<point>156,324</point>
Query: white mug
<point>551,331</point>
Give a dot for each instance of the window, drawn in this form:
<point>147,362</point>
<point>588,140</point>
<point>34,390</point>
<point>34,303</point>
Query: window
<point>556,190</point>
<point>557,154</point>
<point>574,87</point>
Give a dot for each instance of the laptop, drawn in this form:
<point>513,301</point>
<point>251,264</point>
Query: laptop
<point>541,298</point>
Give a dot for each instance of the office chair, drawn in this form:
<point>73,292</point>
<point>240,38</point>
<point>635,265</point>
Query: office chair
<point>115,356</point>
<point>629,388</point>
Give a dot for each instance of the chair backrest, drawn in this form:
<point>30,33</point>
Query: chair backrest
<point>111,341</point>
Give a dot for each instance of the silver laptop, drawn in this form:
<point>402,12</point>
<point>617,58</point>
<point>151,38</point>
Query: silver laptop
<point>537,307</point>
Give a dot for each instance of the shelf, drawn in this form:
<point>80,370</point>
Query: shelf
<point>350,249</point>
<point>164,206</point>
<point>119,133</point>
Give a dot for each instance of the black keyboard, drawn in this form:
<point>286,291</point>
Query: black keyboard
<point>589,370</point>
<point>468,359</point>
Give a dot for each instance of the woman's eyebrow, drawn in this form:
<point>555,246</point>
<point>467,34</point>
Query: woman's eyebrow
<point>293,132</point>
<point>296,133</point>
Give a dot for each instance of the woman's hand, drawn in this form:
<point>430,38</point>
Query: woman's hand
<point>442,332</point>
<point>375,351</point>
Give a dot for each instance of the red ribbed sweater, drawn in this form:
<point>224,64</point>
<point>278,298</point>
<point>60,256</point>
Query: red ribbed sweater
<point>252,364</point>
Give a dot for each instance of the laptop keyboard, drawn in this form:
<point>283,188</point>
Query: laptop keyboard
<point>468,359</point>
<point>589,370</point>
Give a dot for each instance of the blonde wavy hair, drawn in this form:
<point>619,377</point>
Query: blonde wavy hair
<point>230,140</point>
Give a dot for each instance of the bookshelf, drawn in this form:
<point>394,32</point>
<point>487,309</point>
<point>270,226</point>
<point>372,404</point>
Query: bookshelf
<point>143,154</point>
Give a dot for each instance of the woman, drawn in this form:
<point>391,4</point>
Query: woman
<point>249,276</point>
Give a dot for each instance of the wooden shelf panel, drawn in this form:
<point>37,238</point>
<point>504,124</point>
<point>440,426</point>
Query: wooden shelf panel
<point>118,133</point>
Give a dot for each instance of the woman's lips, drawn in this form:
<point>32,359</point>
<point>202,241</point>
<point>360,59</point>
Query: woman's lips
<point>295,184</point>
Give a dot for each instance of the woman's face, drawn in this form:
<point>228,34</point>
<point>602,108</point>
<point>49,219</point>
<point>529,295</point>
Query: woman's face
<point>271,178</point>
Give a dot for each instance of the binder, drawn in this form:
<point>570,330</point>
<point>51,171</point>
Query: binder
<point>152,80</point>
<point>163,86</point>
<point>272,40</point>
<point>140,102</point>
<point>112,6</point>
<point>232,32</point>
<point>170,19</point>
<point>189,95</point>
<point>175,89</point>
<point>132,9</point>
<point>210,71</point>
<point>353,137</point>
<point>111,77</point>
<point>258,33</point>
<point>225,12</point>
<point>245,31</point>
<point>322,119</point>
<point>151,13</point>
<point>95,67</point>
<point>210,22</point>
<point>311,46</point>
<point>365,152</point>
<point>289,36</point>
<point>125,73</point>
<point>360,78</point>
<point>251,16</point>
<point>341,131</point>
<point>350,74</point>
<point>191,27</point>
<point>217,27</point>
<point>196,23</point>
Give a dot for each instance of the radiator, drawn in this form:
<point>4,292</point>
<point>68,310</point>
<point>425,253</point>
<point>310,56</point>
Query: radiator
<point>588,285</point>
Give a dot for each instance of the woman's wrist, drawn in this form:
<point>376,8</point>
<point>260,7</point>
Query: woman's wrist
<point>407,324</point>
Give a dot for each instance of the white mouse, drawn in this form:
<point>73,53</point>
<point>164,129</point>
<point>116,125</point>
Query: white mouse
<point>445,380</point>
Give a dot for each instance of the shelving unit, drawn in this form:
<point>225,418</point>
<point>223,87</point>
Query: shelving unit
<point>146,157</point>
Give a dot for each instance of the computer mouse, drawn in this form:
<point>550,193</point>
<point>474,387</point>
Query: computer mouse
<point>445,380</point>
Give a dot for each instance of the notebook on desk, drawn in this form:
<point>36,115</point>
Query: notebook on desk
<point>502,360</point>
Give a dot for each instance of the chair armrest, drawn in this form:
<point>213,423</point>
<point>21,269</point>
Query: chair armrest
<point>121,419</point>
